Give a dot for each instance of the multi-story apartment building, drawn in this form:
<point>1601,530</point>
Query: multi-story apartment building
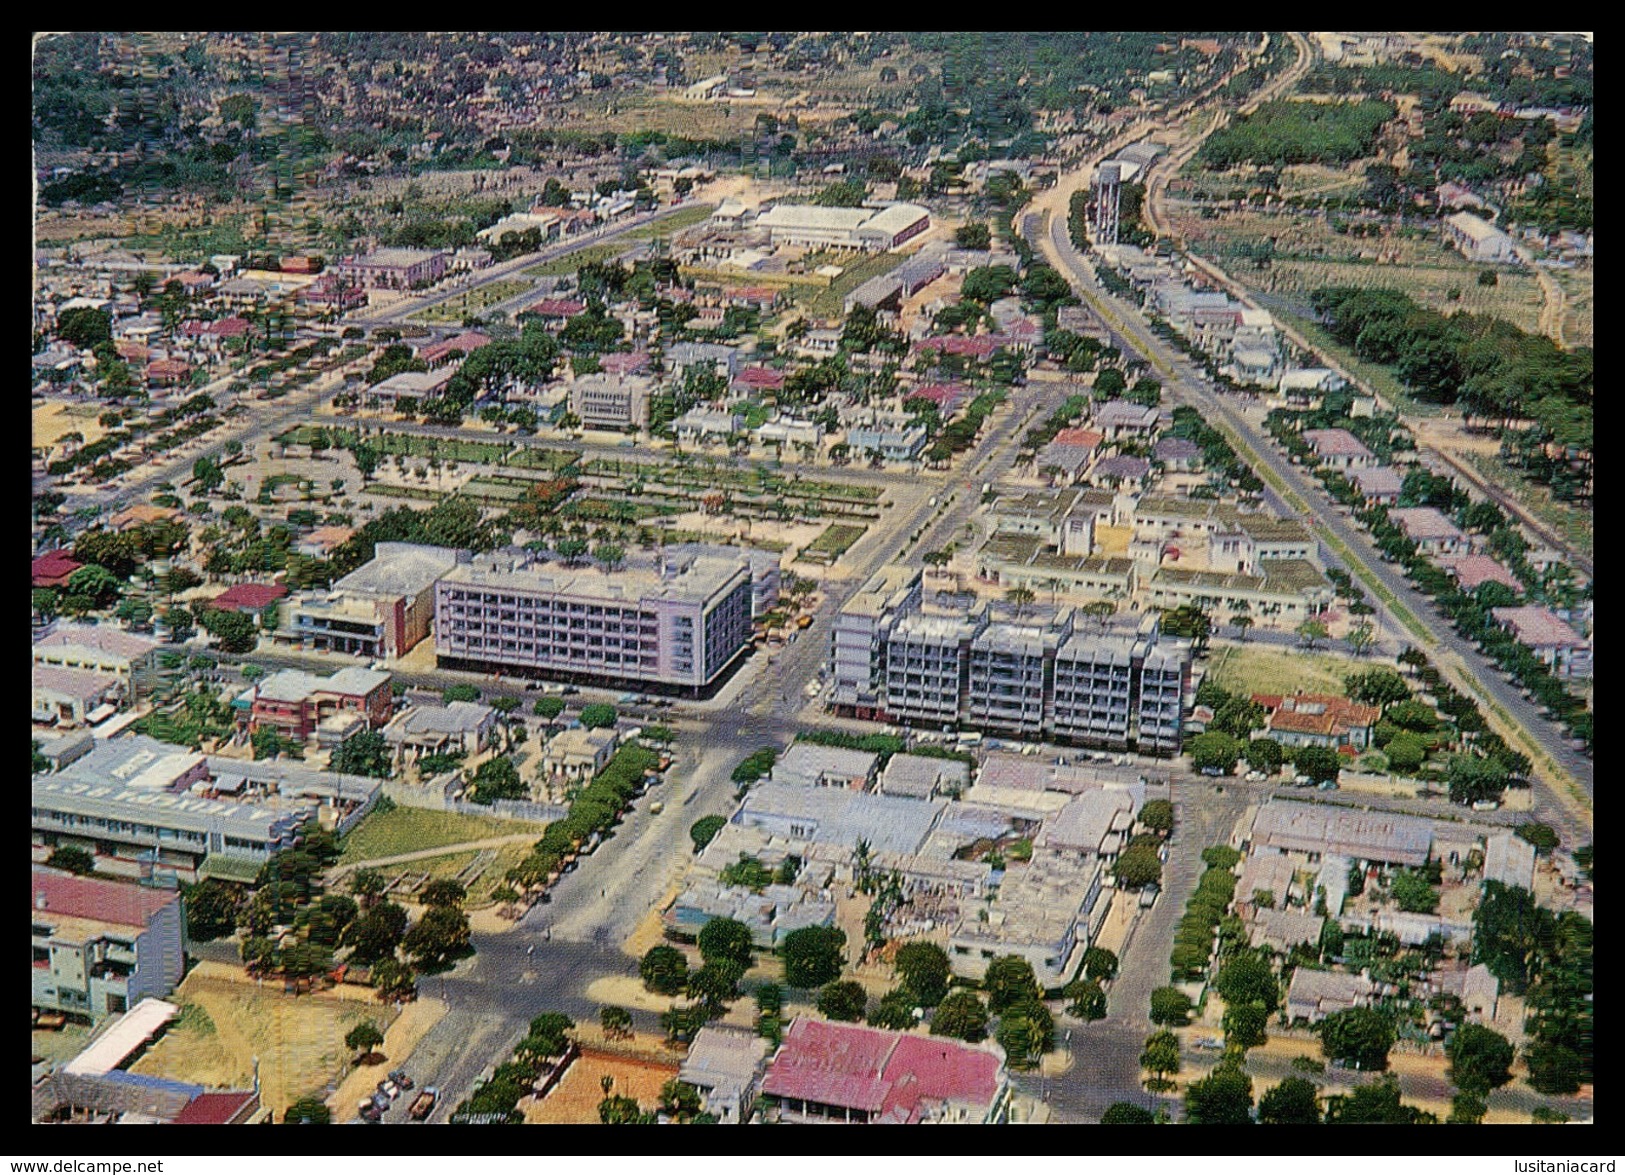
<point>295,703</point>
<point>858,638</point>
<point>927,663</point>
<point>678,623</point>
<point>101,947</point>
<point>1110,688</point>
<point>382,609</point>
<point>1011,674</point>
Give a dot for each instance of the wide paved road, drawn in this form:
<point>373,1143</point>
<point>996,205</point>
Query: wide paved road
<point>524,971</point>
<point>1546,743</point>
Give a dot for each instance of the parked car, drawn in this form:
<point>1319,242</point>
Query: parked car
<point>400,1078</point>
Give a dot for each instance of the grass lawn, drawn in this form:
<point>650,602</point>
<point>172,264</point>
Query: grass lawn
<point>835,540</point>
<point>383,491</point>
<point>1261,669</point>
<point>528,457</point>
<point>473,302</point>
<point>493,491</point>
<point>1572,522</point>
<point>406,830</point>
<point>829,301</point>
<point>571,262</point>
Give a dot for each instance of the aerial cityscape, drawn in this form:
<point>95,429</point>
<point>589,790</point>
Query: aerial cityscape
<point>1045,578</point>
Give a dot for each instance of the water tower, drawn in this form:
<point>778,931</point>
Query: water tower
<point>1108,192</point>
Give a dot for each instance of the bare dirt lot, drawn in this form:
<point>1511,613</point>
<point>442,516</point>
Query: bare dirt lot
<point>228,1020</point>
<point>575,1098</point>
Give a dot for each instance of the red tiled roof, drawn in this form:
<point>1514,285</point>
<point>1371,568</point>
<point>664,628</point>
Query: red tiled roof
<point>214,1109</point>
<point>557,308</point>
<point>53,568</point>
<point>1082,437</point>
<point>980,345</point>
<point>249,597</point>
<point>228,328</point>
<point>760,377</point>
<point>1472,570</point>
<point>104,901</point>
<point>888,1074</point>
<point>468,342</point>
<point>943,394</point>
<point>624,362</point>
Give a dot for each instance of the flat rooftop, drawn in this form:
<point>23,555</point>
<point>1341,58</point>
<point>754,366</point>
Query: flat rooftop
<point>698,577</point>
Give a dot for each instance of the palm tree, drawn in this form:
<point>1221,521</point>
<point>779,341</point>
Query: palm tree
<point>1312,630</point>
<point>1241,622</point>
<point>1020,597</point>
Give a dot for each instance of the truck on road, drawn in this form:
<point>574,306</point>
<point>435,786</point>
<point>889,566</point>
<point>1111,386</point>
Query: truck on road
<point>423,1104</point>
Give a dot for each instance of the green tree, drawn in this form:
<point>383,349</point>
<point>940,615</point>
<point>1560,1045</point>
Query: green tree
<point>1085,999</point>
<point>1248,977</point>
<point>1010,981</point>
<point>813,955</point>
<point>498,779</point>
<point>1509,933</point>
<point>233,632</point>
<point>365,753</point>
<point>1161,1055</point>
<point>376,933</point>
<point>1311,631</point>
<point>1542,836</point>
<point>548,708</point>
<point>704,829</point>
<point>1374,1103</point>
<point>616,1022</point>
<point>438,938</point>
<point>723,939</point>
<point>443,891</point>
<point>679,1100</point>
<point>1264,754</point>
<point>1376,687</point>
<point>1158,816</point>
<point>619,1111</point>
<point>363,1038</point>
<point>460,693</point>
<point>844,999</point>
<point>549,1035</point>
<point>72,858</point>
<point>393,980</point>
<point>972,236</point>
<point>1223,1098</point>
<point>1359,1036</point>
<point>1100,963</point>
<point>1127,1114</point>
<point>1026,1032</point>
<point>1480,1059</point>
<point>664,970</point>
<point>961,1015</point>
<point>309,1111</point>
<point>1214,751</point>
<point>1320,764</point>
<point>211,909</point>
<point>1137,866</point>
<point>597,715</point>
<point>1170,1006</point>
<point>1246,1026</point>
<point>922,969</point>
<point>1294,1102</point>
<point>894,1010</point>
<point>1413,893</point>
<point>367,884</point>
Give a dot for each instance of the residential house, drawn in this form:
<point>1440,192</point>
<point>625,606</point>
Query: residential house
<point>1379,485</point>
<point>812,765</point>
<point>1338,448</point>
<point>74,697</point>
<point>1565,651</point>
<point>1478,239</point>
<point>294,703</point>
<point>922,778</point>
<point>725,1065</point>
<point>464,727</point>
<point>1318,720</point>
<point>828,1071</point>
<point>54,568</point>
<point>1472,570</point>
<point>1117,419</point>
<point>251,599</point>
<point>101,947</point>
<point>1431,531</point>
<point>99,648</point>
<point>579,754</point>
<point>1314,995</point>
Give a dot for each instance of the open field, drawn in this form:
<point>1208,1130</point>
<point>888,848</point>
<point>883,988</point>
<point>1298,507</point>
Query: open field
<point>571,262</point>
<point>1379,379</point>
<point>62,1045</point>
<point>54,419</point>
<point>1309,253</point>
<point>226,1022</point>
<point>1577,287</point>
<point>473,302</point>
<point>575,1098</point>
<point>1259,669</point>
<point>406,830</point>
